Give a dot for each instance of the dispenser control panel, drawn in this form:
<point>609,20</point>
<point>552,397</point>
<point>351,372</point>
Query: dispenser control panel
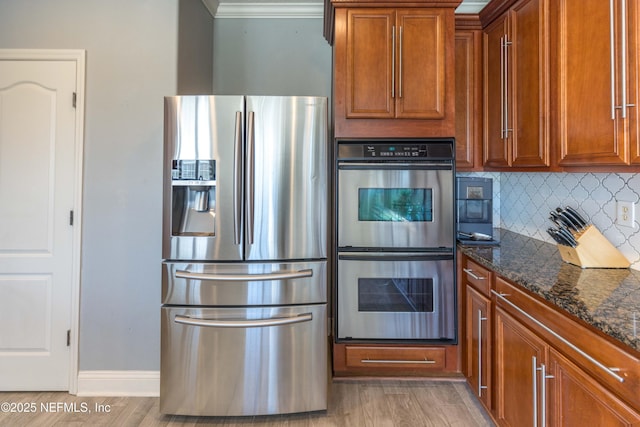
<point>193,170</point>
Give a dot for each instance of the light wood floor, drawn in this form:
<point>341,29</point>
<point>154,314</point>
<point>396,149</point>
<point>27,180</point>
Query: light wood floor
<point>352,403</point>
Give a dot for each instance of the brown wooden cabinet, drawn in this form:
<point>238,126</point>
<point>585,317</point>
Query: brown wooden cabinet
<point>389,359</point>
<point>543,364</point>
<point>597,67</point>
<point>571,376</point>
<point>468,40</point>
<point>519,353</point>
<point>476,282</point>
<point>516,88</point>
<point>574,398</point>
<point>393,71</point>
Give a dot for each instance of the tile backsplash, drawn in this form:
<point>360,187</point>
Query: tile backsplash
<point>522,202</point>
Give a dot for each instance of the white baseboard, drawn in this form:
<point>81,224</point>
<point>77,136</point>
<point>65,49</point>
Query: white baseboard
<point>119,383</point>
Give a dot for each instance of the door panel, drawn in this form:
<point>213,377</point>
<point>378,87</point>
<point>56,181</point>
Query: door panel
<point>242,369</point>
<point>286,188</point>
<point>37,184</point>
<point>421,64</point>
<point>383,298</point>
<point>204,128</point>
<point>395,208</point>
<point>370,73</point>
<point>226,284</point>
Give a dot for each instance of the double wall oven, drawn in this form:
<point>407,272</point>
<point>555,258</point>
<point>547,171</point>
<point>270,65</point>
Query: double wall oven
<point>396,240</point>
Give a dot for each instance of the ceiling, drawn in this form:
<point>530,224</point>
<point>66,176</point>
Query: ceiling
<point>293,8</point>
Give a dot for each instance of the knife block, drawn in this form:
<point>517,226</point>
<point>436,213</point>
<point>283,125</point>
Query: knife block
<point>593,251</point>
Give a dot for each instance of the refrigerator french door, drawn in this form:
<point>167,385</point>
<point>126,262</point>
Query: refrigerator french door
<point>245,178</point>
<point>244,282</point>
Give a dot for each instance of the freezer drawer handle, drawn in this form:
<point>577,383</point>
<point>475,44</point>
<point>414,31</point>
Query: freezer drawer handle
<point>253,323</point>
<point>278,275</point>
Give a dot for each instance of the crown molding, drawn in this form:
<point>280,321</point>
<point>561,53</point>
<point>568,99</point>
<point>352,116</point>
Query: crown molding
<point>270,10</point>
<point>471,6</point>
<point>212,6</point>
<point>315,10</point>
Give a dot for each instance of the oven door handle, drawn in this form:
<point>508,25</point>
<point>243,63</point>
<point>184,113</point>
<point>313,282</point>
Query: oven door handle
<point>237,323</point>
<point>396,166</point>
<point>394,257</point>
<point>278,275</point>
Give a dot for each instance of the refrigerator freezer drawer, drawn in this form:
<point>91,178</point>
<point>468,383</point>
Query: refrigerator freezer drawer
<point>243,361</point>
<point>233,284</point>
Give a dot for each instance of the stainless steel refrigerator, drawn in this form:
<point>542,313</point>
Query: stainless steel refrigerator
<point>244,277</point>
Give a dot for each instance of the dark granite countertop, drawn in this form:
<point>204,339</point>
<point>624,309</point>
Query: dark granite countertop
<point>607,299</point>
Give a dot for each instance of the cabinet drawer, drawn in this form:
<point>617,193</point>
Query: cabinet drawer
<point>396,357</point>
<point>609,363</point>
<point>479,277</point>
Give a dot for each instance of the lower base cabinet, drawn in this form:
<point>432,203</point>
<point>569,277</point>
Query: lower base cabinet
<point>519,353</point>
<point>575,399</point>
<point>547,368</point>
<point>395,360</point>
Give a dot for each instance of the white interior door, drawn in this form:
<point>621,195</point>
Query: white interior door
<point>38,188</point>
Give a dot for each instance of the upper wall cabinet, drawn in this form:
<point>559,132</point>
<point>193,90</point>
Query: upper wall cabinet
<point>598,68</point>
<point>516,87</point>
<point>468,93</point>
<point>394,70</point>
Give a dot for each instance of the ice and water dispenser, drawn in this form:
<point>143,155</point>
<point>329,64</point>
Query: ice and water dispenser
<point>193,187</point>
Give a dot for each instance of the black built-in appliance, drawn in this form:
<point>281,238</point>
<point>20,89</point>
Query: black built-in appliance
<point>474,210</point>
<point>396,240</point>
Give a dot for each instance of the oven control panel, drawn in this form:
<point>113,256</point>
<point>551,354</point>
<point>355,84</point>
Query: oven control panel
<point>441,149</point>
<point>395,150</point>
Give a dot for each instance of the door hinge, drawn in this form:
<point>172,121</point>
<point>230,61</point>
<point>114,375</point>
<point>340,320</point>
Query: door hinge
<point>70,217</point>
<point>73,99</point>
<point>68,337</point>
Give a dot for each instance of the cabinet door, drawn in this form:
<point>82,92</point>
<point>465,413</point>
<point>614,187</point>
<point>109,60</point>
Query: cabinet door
<point>591,128</point>
<point>632,79</point>
<point>527,85</point>
<point>478,345</point>
<point>576,399</point>
<point>370,67</point>
<point>518,352</point>
<point>468,98</point>
<point>420,59</point>
<point>496,149</point>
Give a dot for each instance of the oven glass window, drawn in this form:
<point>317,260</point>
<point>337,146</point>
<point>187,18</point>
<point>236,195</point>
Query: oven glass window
<point>395,295</point>
<point>395,204</point>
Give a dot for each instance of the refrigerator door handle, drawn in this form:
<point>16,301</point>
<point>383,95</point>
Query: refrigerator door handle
<point>252,323</point>
<point>278,275</point>
<point>250,175</point>
<point>237,182</point>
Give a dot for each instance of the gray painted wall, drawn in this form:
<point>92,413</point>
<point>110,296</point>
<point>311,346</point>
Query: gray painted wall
<point>271,57</point>
<point>136,54</point>
<point>195,48</point>
<point>131,64</point>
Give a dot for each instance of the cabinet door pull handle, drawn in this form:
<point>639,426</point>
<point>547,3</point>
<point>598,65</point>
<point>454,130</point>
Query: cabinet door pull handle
<point>502,87</point>
<point>393,61</point>
<point>480,320</point>
<point>534,386</point>
<point>608,370</point>
<point>612,58</point>
<point>472,274</point>
<point>425,361</point>
<point>400,67</point>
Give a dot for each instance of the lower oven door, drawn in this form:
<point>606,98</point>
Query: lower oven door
<point>243,361</point>
<point>396,296</point>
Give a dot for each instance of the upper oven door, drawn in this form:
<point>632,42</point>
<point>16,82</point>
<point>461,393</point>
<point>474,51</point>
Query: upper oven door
<point>395,205</point>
